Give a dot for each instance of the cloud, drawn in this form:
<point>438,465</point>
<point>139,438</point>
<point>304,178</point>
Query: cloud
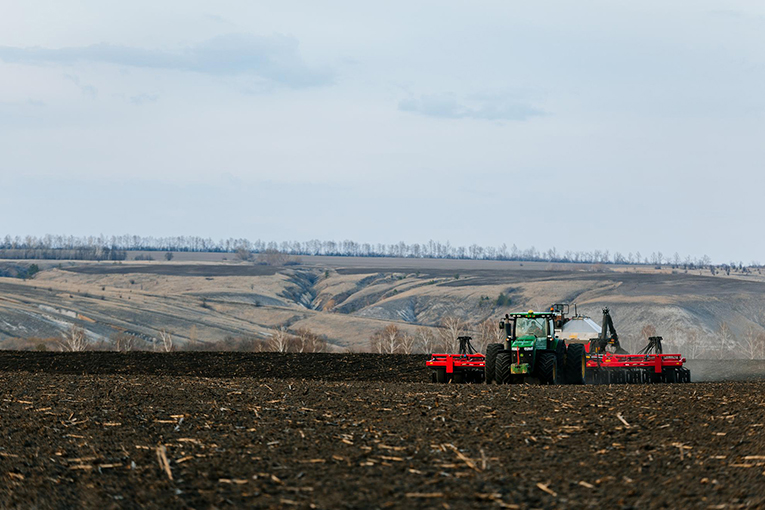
<point>142,99</point>
<point>218,19</point>
<point>88,90</point>
<point>482,107</point>
<point>273,58</point>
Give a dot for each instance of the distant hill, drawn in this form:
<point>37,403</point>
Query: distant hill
<point>346,299</point>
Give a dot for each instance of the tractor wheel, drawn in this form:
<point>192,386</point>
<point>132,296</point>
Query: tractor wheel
<point>576,364</point>
<point>491,357</point>
<point>560,358</point>
<point>547,368</point>
<point>502,372</point>
<point>440,375</point>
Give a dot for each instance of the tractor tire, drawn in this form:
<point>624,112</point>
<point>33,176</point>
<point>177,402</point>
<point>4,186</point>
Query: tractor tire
<point>547,368</point>
<point>560,358</point>
<point>440,375</point>
<point>576,364</point>
<point>502,372</point>
<point>491,357</point>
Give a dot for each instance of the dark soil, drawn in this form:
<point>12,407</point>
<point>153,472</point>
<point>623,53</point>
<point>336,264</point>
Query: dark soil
<point>264,365</point>
<point>75,434</point>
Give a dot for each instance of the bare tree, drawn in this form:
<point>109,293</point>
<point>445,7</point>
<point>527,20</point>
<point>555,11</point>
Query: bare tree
<point>753,343</point>
<point>243,254</point>
<point>451,329</point>
<point>426,340</point>
<point>408,343</point>
<point>760,346</point>
<point>123,342</point>
<point>724,339</point>
<point>73,340</point>
<point>489,333</point>
<point>386,340</point>
<point>166,339</point>
<point>279,340</point>
<point>691,348</point>
<point>306,340</point>
<point>272,258</point>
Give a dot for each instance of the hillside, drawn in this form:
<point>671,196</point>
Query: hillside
<point>346,299</point>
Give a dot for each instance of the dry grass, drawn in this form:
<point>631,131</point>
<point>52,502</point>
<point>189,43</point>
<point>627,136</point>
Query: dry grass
<point>346,300</point>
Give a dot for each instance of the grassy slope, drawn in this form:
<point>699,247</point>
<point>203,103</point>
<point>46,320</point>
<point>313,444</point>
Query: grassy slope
<point>348,298</point>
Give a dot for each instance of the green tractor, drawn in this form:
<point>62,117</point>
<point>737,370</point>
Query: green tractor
<point>532,352</point>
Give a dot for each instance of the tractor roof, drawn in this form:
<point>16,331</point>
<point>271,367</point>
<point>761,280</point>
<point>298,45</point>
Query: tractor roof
<point>532,314</point>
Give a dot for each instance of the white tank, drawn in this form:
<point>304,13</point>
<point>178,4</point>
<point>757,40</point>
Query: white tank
<point>580,328</point>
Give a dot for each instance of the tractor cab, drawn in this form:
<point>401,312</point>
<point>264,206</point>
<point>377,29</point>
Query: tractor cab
<point>530,329</point>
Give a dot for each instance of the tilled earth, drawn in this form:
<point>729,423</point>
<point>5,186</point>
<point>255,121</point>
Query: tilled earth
<point>137,435</point>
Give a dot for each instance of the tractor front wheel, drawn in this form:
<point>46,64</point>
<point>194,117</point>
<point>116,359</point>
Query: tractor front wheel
<point>548,368</point>
<point>490,363</point>
<point>502,370</point>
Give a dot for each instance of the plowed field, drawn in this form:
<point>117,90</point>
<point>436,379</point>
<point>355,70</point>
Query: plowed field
<point>103,430</point>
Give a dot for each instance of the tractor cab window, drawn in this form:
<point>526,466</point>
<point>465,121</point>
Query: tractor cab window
<point>529,326</point>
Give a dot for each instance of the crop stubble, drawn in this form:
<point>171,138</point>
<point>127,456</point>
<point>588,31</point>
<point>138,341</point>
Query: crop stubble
<point>129,438</point>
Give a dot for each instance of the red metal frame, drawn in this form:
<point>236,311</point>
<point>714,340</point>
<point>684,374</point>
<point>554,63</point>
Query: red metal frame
<point>656,361</point>
<point>456,361</point>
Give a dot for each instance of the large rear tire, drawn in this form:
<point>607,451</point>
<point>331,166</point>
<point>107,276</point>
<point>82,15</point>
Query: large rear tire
<point>560,358</point>
<point>576,364</point>
<point>491,357</point>
<point>547,368</point>
<point>502,369</point>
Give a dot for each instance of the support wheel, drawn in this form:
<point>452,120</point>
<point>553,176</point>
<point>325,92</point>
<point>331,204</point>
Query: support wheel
<point>439,375</point>
<point>502,372</point>
<point>547,368</point>
<point>576,364</point>
<point>491,357</point>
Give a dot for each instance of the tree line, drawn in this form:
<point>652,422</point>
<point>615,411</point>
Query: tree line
<point>690,342</point>
<point>115,248</point>
<point>76,338</point>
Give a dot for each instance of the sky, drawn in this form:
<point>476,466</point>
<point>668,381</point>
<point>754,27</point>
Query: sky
<point>610,125</point>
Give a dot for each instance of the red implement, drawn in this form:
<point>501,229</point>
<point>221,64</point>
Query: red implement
<point>610,368</point>
<point>457,368</point>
